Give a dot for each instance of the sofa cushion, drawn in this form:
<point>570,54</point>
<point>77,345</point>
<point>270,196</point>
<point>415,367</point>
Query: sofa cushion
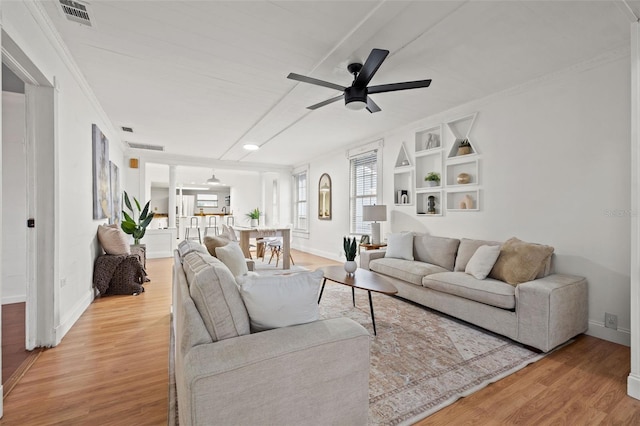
<point>187,246</point>
<point>113,240</point>
<point>216,295</point>
<point>482,261</point>
<point>520,261</point>
<point>435,250</point>
<point>232,256</point>
<point>400,246</point>
<point>405,270</point>
<point>491,292</point>
<point>211,243</point>
<point>281,300</point>
<point>467,249</point>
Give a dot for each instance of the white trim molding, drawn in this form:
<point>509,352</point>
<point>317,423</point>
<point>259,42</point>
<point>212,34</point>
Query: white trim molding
<point>633,381</point>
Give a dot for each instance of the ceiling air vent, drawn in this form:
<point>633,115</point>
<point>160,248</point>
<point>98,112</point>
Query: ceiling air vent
<point>127,129</point>
<point>145,146</point>
<point>76,11</point>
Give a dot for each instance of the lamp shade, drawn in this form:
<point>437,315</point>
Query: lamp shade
<point>374,213</point>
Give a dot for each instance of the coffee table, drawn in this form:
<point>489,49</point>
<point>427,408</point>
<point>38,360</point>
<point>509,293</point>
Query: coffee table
<point>362,279</point>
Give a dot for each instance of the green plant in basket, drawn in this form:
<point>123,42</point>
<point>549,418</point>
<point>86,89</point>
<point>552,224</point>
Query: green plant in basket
<point>350,247</point>
<point>132,227</point>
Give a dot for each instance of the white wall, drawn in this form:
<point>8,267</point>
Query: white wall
<point>554,166</point>
<point>14,202</point>
<point>76,110</point>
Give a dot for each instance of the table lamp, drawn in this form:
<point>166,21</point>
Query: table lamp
<point>374,214</point>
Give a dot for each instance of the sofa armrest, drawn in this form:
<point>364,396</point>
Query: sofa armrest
<point>315,373</point>
<point>551,310</point>
<point>367,256</point>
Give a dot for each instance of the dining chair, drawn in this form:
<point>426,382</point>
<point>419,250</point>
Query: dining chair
<point>194,225</point>
<point>275,244</point>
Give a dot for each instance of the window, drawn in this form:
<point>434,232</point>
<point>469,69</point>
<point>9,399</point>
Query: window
<point>363,179</point>
<point>300,216</point>
<point>206,200</point>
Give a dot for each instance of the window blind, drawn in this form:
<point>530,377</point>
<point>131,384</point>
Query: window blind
<point>300,202</point>
<point>364,188</point>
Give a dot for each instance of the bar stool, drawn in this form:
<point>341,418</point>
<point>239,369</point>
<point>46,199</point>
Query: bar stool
<point>231,221</point>
<point>210,226</point>
<point>193,223</point>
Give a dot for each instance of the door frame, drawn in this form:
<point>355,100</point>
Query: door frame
<point>40,98</point>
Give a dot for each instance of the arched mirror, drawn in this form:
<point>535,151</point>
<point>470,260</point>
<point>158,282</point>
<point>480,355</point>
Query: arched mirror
<point>324,197</point>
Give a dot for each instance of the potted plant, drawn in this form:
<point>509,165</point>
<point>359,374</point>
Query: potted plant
<point>131,226</point>
<point>350,250</point>
<point>432,179</point>
<point>254,217</point>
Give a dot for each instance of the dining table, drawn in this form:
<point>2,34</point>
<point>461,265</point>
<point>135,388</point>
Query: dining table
<point>245,234</point>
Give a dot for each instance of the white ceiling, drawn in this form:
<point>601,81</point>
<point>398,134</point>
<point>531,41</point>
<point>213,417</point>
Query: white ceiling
<point>204,77</point>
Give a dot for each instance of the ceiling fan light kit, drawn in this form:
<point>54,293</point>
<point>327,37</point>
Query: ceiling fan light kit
<point>356,96</point>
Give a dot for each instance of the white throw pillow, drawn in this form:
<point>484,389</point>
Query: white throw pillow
<point>281,300</point>
<point>113,239</point>
<point>232,256</point>
<point>400,246</point>
<point>482,261</point>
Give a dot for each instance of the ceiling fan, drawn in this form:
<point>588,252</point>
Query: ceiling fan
<point>356,96</point>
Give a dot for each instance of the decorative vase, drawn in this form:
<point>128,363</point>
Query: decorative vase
<point>255,223</point>
<point>432,182</point>
<point>350,266</point>
<point>464,178</point>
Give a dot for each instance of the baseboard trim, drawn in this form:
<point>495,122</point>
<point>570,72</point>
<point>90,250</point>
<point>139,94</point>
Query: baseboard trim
<point>633,386</point>
<point>621,335</point>
<point>76,313</point>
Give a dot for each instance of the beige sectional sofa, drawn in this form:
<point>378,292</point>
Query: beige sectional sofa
<point>542,313</point>
<point>314,373</point>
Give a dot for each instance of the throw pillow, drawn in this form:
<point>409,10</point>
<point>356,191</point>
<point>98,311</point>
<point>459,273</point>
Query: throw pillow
<point>281,300</point>
<point>113,239</point>
<point>400,246</point>
<point>231,255</point>
<point>519,261</point>
<point>482,261</point>
<point>211,243</point>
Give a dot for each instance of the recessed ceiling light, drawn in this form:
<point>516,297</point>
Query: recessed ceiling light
<point>251,147</point>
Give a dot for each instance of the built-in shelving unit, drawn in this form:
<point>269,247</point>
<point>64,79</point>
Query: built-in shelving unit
<point>448,150</point>
<point>403,179</point>
<point>462,171</point>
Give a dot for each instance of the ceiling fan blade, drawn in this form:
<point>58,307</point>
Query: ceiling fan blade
<point>327,102</point>
<point>372,106</point>
<point>399,86</point>
<point>373,62</point>
<point>315,81</point>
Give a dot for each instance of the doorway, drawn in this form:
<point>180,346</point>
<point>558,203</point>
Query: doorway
<point>14,240</point>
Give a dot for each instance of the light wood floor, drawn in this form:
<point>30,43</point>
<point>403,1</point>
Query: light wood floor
<point>111,369</point>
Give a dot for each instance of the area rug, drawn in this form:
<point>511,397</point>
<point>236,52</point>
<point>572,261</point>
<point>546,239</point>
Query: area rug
<point>422,361</point>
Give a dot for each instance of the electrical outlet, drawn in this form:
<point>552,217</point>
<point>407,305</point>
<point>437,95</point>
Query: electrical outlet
<point>610,320</point>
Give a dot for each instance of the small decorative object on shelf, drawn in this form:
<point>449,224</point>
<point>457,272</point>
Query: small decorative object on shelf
<point>467,202</point>
<point>404,196</point>
<point>464,148</point>
<point>431,205</point>
<point>432,179</point>
<point>464,178</point>
<point>350,248</point>
<point>404,163</point>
